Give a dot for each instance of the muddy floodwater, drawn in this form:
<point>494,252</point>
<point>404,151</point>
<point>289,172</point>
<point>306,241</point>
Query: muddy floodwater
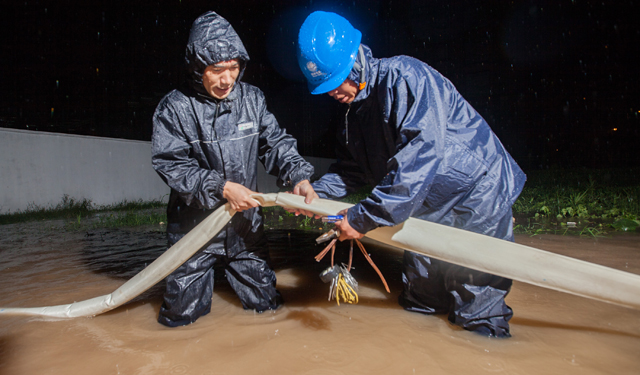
<point>553,332</point>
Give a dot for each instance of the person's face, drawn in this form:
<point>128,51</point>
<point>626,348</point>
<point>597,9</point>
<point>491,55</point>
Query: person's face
<point>219,79</point>
<point>346,92</point>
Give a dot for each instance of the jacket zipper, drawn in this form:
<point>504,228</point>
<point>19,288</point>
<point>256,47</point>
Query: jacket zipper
<point>215,134</point>
<point>346,123</point>
<point>213,124</point>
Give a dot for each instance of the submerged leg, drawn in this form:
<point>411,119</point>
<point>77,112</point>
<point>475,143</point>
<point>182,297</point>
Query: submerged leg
<point>189,291</point>
<point>478,301</point>
<point>254,281</point>
<point>423,281</point>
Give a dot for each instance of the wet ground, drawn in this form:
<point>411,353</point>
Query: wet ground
<point>553,333</point>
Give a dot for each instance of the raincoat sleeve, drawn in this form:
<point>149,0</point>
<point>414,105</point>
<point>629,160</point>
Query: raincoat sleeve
<point>417,109</point>
<point>278,151</point>
<point>197,186</point>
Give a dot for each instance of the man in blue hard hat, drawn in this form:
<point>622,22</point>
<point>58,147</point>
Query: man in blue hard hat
<point>208,138</point>
<point>427,153</point>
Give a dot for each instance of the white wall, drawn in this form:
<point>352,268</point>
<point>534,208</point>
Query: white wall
<point>40,168</point>
<point>267,183</point>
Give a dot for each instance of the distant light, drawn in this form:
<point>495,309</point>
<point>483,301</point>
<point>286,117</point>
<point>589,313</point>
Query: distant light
<point>615,129</point>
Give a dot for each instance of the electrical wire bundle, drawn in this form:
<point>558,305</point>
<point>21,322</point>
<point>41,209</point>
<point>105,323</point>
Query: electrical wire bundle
<point>343,285</point>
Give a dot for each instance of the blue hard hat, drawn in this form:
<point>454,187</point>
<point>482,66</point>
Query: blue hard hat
<point>327,48</point>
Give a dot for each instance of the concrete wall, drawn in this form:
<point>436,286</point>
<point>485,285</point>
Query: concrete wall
<point>40,168</point>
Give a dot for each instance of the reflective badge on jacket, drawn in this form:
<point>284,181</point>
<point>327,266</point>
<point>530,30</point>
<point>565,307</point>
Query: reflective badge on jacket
<point>245,126</point>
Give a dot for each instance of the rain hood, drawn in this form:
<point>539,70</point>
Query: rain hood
<point>212,39</point>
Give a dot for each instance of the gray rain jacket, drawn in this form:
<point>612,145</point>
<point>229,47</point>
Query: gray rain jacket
<point>199,142</point>
<point>426,151</point>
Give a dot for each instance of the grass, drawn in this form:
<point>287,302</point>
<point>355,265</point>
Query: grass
<point>580,202</point>
<point>83,214</point>
<point>68,208</point>
<point>585,202</point>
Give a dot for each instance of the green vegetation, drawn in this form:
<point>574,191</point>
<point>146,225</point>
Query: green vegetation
<point>582,202</point>
<point>68,208</point>
<point>585,202</point>
<point>83,214</point>
<point>276,217</point>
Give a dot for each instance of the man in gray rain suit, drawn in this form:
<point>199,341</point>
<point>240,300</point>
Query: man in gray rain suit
<point>427,153</point>
<point>207,140</point>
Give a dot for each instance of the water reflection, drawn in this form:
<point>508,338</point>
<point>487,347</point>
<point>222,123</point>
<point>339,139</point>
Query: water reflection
<point>121,253</point>
<point>309,334</point>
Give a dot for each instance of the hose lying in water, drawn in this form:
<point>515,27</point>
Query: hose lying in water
<point>472,250</point>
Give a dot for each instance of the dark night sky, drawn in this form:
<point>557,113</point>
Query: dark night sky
<point>556,80</point>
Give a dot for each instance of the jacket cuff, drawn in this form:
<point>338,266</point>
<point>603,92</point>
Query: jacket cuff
<point>360,220</point>
<point>320,193</point>
<point>218,189</point>
<point>304,173</point>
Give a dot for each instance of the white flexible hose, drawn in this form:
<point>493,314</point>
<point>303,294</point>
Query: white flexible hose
<point>483,253</point>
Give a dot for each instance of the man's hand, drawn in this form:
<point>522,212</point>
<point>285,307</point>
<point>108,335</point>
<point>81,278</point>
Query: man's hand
<point>346,231</point>
<point>239,196</point>
<point>305,189</point>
